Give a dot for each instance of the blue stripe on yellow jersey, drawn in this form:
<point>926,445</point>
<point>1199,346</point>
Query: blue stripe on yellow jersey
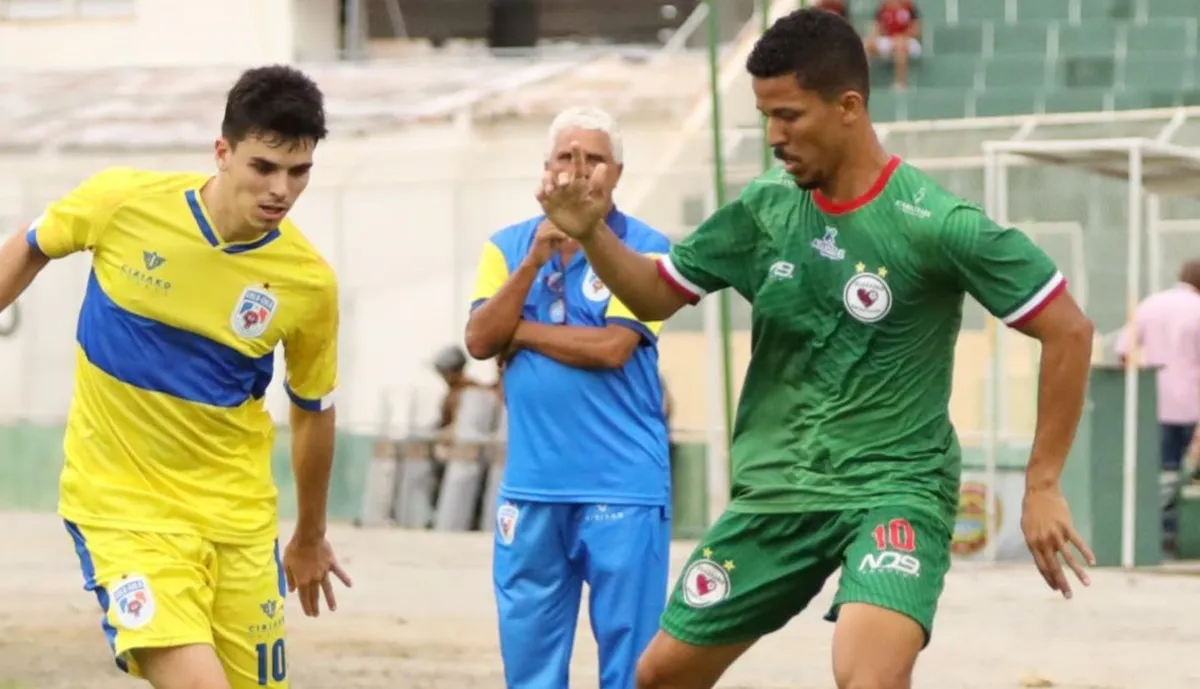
<point>576,435</point>
<point>167,430</point>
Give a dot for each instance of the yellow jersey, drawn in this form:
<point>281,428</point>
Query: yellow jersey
<point>167,430</point>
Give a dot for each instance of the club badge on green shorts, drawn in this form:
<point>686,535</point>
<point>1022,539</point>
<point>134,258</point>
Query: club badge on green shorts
<point>705,582</point>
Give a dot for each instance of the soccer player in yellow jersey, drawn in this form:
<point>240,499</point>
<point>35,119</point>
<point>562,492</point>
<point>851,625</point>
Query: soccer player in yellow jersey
<point>167,490</point>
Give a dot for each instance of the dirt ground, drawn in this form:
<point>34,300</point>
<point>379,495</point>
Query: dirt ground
<point>421,616</point>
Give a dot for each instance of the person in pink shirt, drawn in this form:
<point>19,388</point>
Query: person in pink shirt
<point>1167,327</point>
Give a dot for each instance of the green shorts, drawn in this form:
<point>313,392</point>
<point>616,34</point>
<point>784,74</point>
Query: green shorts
<point>752,573</point>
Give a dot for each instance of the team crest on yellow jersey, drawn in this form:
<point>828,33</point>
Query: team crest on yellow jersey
<point>253,313</point>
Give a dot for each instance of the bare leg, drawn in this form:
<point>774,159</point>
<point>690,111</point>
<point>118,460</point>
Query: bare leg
<point>669,663</point>
<point>869,45</point>
<point>900,54</point>
<point>875,648</point>
<point>195,666</point>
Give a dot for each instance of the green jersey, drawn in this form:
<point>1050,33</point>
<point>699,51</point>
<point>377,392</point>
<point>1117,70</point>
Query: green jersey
<point>856,309</point>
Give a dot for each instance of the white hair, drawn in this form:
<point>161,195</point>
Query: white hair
<point>589,118</point>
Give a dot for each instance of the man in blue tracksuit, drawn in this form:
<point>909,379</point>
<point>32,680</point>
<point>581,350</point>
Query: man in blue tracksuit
<point>586,491</point>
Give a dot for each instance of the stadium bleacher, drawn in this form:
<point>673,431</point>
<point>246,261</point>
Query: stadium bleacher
<point>985,58</point>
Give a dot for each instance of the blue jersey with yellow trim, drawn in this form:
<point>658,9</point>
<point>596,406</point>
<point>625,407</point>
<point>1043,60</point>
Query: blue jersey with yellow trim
<point>576,435</point>
<point>167,430</point>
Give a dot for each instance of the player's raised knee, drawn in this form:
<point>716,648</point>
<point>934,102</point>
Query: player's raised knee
<point>193,666</point>
<point>655,668</point>
<point>669,663</point>
<point>651,674</point>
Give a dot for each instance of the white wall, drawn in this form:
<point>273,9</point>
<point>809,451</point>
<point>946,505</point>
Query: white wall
<point>401,218</point>
<point>177,33</point>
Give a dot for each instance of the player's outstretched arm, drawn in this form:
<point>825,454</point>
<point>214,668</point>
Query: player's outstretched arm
<point>311,353</point>
<point>1066,336</point>
<point>308,560</point>
<point>313,438</point>
<point>20,263</point>
<point>634,278</point>
<point>1018,283</point>
<point>576,203</point>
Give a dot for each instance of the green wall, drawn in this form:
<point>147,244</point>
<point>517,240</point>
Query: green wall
<point>31,458</point>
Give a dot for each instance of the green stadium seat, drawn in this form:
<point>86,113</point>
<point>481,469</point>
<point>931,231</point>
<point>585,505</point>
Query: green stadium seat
<point>1160,36</point>
<point>936,103</point>
<point>1097,71</point>
<point>1179,9</point>
<point>1020,39</point>
<point>886,105</point>
<point>1156,73</point>
<point>933,12</point>
<point>975,11</point>
<point>1042,10</point>
<point>963,39</point>
<point>1106,10</point>
<point>1077,100</point>
<point>1145,100</point>
<point>1190,98</point>
<point>882,74</point>
<point>1098,38</point>
<point>1016,71</point>
<point>945,72</point>
<point>999,102</point>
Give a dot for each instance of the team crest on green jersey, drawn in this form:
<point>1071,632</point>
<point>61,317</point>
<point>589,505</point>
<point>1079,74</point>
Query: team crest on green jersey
<point>827,245</point>
<point>867,296</point>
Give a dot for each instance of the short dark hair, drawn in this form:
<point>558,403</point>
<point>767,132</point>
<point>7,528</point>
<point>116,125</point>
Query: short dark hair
<point>822,49</point>
<point>281,104</point>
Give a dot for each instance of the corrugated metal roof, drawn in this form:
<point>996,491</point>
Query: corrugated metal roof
<point>163,107</point>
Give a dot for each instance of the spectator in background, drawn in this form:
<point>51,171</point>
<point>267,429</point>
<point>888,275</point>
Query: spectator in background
<point>451,365</point>
<point>1166,330</point>
<point>838,7</point>
<point>586,489</point>
<point>896,36</point>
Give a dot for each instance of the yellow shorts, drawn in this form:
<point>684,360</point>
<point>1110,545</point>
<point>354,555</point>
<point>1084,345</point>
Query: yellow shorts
<point>162,590</point>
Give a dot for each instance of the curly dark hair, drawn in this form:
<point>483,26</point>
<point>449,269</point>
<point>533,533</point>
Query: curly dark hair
<point>820,48</point>
<point>278,104</point>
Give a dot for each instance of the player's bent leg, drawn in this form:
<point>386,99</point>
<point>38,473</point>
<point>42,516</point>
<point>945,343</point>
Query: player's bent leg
<point>248,615</point>
<point>626,555</point>
<point>893,573</point>
<point>538,591</point>
<point>875,648</point>
<point>751,574</point>
<point>669,663</point>
<point>195,666</point>
<point>154,597</point>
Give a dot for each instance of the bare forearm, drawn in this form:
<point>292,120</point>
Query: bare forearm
<point>1062,388</point>
<point>312,463</point>
<point>577,346</point>
<point>632,277</point>
<point>19,265</point>
<point>491,326</point>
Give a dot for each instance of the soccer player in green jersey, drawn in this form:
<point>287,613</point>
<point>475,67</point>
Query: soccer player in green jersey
<point>857,266</point>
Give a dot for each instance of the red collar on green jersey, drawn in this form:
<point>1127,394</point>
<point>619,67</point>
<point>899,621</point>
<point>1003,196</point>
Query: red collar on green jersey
<point>840,207</point>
